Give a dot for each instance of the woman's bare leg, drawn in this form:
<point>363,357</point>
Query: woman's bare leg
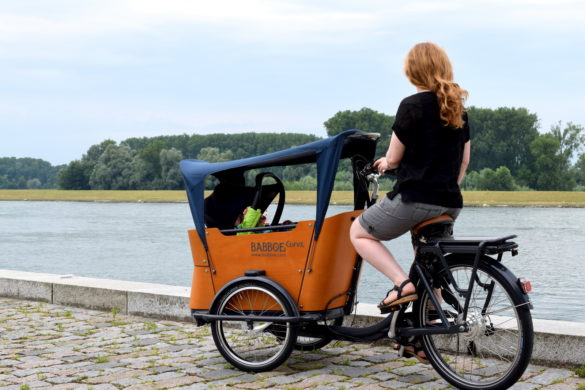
<point>375,253</point>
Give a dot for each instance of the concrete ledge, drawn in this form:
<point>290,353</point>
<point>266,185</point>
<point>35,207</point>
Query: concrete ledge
<point>134,298</point>
<point>555,342</point>
<point>26,289</point>
<point>90,297</point>
<point>163,304</point>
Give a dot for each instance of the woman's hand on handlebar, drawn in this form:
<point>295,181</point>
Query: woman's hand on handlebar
<point>381,165</point>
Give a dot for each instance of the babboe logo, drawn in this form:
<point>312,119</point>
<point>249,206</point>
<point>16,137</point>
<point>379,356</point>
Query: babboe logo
<point>275,248</point>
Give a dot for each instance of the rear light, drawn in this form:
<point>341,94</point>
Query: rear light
<point>525,285</point>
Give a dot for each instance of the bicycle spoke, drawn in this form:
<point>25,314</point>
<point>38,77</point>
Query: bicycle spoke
<point>490,347</point>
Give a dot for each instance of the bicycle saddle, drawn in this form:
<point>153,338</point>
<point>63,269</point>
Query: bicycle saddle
<point>437,227</point>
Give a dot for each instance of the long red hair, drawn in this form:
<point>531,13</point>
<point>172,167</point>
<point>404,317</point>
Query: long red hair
<point>427,66</point>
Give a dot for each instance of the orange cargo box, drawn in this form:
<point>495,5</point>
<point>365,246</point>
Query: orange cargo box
<point>313,272</point>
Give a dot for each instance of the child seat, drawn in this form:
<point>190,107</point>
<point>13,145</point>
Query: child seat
<point>231,196</point>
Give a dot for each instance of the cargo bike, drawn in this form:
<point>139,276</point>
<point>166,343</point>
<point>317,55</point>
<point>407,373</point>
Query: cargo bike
<point>266,291</point>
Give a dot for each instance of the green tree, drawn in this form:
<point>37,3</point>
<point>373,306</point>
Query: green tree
<point>170,174</point>
<point>471,181</point>
<point>112,171</point>
<point>580,170</point>
<point>75,176</point>
<point>212,154</point>
<point>547,173</point>
<point>150,167</point>
<point>27,173</point>
<point>365,119</point>
<point>94,152</point>
<point>571,139</point>
<point>553,153</point>
<point>502,137</point>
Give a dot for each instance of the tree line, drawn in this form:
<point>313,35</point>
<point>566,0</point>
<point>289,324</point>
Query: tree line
<point>507,150</point>
<point>508,153</point>
<point>30,173</point>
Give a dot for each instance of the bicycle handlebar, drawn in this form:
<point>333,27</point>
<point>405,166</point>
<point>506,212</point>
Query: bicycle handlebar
<point>372,175</point>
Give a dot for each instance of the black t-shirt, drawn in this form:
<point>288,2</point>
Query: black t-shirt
<point>432,158</point>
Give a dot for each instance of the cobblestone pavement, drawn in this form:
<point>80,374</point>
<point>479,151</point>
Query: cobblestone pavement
<point>48,346</point>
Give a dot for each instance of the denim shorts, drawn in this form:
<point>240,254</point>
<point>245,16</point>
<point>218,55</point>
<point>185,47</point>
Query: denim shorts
<point>391,218</point>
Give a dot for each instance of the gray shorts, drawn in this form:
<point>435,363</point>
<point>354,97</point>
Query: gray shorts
<point>389,219</point>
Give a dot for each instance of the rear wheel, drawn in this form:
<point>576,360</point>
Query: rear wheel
<point>254,345</point>
<point>496,349</point>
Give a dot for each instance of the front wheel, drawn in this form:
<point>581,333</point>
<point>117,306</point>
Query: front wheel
<point>496,348</point>
<point>254,345</point>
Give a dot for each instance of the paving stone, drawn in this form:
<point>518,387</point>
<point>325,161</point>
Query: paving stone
<point>382,376</point>
<point>352,371</point>
<point>381,357</point>
<point>370,386</point>
<point>525,386</point>
<point>407,370</point>
<point>283,380</point>
<point>364,380</point>
<point>550,375</point>
<point>435,385</point>
<point>195,386</point>
<point>37,351</point>
<point>61,379</point>
<point>319,379</point>
<point>219,374</point>
<point>417,378</point>
<point>359,363</point>
<point>179,381</point>
<point>394,384</point>
<point>118,375</point>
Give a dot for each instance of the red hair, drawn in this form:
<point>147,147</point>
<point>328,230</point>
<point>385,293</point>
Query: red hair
<point>427,66</point>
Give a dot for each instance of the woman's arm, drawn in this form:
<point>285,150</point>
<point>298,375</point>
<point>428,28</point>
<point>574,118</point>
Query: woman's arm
<point>464,161</point>
<point>393,155</point>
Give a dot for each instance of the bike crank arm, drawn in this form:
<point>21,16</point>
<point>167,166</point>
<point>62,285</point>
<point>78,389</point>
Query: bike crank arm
<point>453,329</point>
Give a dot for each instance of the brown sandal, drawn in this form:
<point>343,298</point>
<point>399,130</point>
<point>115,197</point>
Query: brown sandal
<point>391,306</point>
<point>411,351</point>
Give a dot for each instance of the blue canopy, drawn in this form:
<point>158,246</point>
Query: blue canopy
<point>326,153</point>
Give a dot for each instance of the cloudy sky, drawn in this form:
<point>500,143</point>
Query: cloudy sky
<point>73,73</point>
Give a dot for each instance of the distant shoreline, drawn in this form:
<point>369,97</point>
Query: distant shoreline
<point>471,198</point>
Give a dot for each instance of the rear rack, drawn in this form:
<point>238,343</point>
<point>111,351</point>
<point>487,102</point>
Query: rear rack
<point>488,245</point>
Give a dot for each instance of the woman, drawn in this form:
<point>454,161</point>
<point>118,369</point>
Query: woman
<point>430,148</point>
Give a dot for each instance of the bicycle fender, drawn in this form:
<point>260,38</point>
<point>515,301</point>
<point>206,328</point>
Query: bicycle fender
<point>519,296</point>
<point>258,279</point>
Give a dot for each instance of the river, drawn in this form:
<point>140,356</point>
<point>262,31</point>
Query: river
<point>148,242</point>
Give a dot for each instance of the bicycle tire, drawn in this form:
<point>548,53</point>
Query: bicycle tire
<point>495,351</point>
<point>254,345</point>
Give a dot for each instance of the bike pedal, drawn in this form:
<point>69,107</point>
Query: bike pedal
<point>386,310</point>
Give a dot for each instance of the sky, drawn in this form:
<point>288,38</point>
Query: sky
<point>74,73</point>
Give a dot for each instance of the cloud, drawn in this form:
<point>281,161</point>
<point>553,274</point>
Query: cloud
<point>276,22</point>
<point>249,19</point>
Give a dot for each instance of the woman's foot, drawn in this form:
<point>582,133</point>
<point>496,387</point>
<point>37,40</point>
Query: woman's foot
<point>404,293</point>
<point>410,351</point>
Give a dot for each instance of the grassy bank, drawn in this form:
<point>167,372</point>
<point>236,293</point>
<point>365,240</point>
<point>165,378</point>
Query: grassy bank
<point>472,198</point>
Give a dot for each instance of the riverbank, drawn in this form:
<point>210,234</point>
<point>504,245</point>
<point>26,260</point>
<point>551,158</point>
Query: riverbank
<point>472,198</point>
<point>557,343</point>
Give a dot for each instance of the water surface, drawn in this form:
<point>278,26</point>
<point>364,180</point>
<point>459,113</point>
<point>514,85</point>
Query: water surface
<point>148,242</point>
